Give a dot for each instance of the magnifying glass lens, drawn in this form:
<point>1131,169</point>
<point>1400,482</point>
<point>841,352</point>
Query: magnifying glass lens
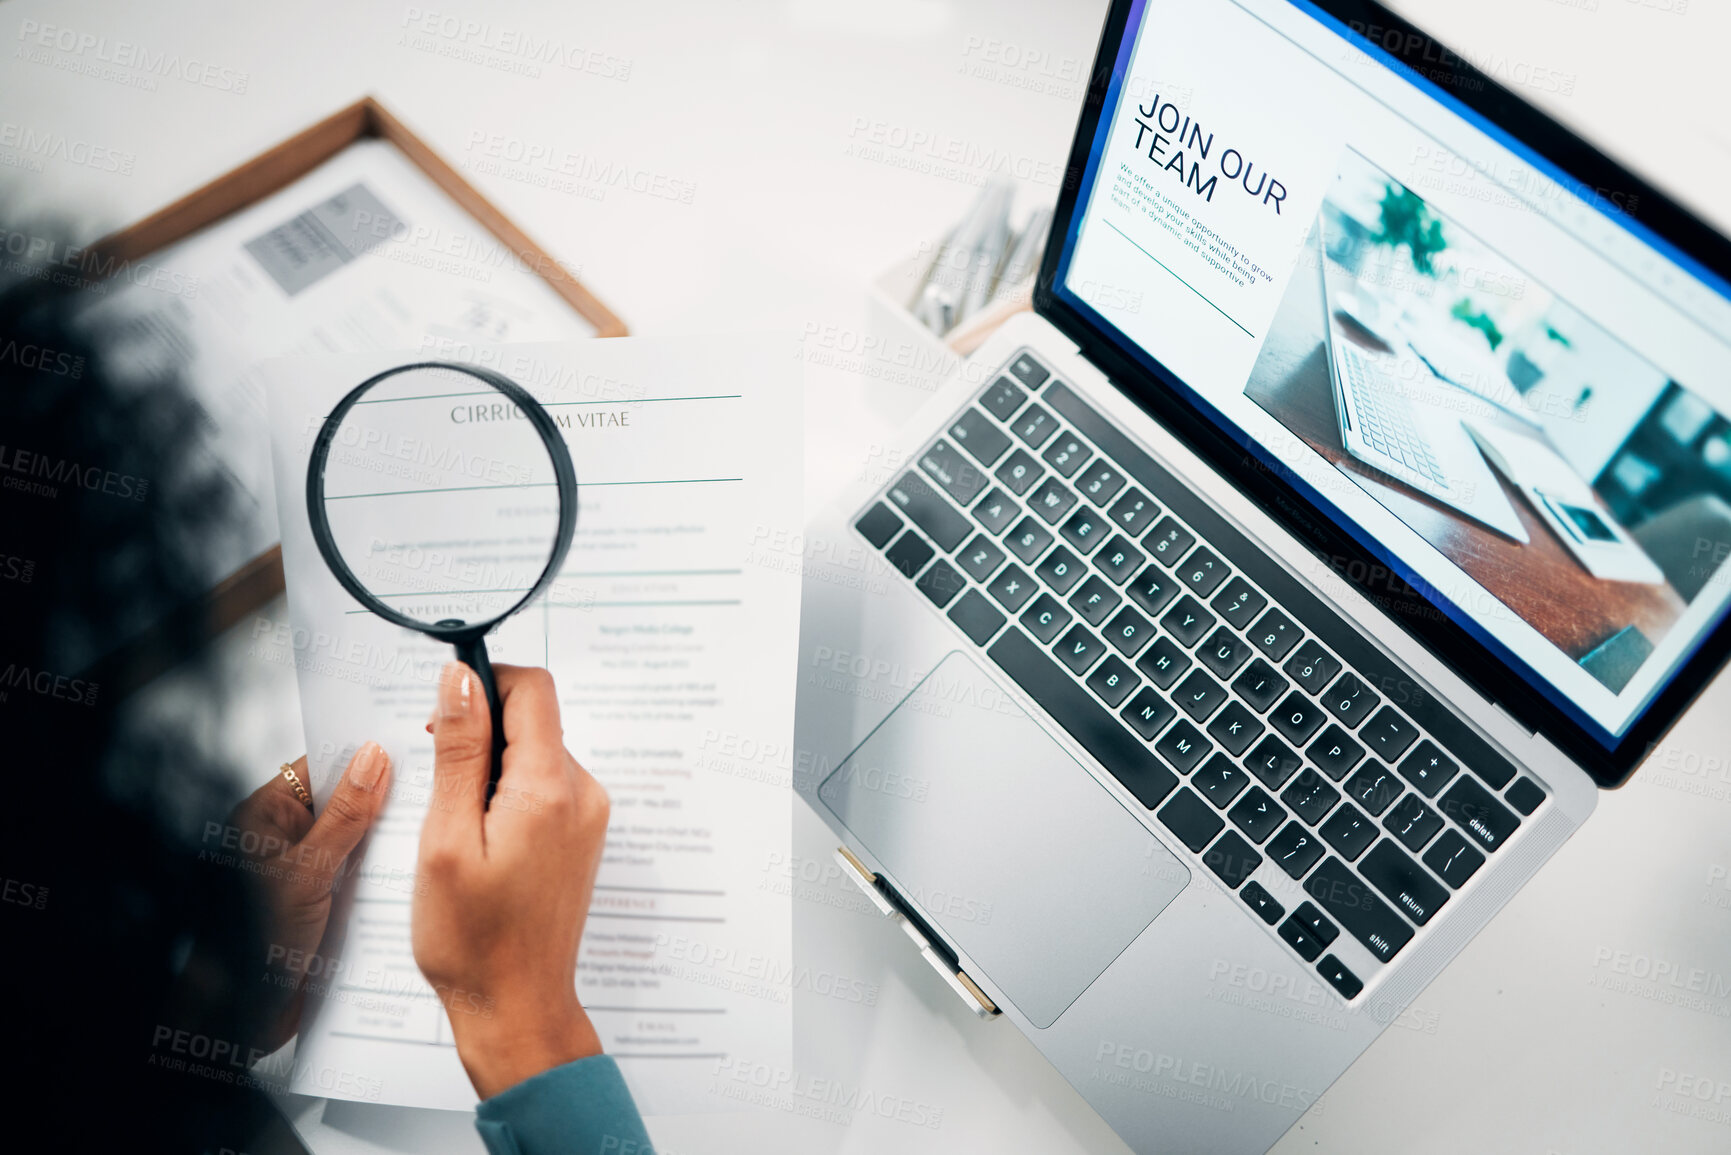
<point>441,497</point>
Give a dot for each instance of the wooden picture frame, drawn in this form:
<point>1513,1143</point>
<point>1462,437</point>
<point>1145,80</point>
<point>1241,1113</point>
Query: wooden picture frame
<point>261,579</point>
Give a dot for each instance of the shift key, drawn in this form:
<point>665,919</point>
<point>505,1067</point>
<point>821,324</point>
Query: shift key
<point>926,508</point>
<point>1348,900</point>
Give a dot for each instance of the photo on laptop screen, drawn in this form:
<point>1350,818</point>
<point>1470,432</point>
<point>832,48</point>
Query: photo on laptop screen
<point>1519,439</point>
<point>1491,377</point>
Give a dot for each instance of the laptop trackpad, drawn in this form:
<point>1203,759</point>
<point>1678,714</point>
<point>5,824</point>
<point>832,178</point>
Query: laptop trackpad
<point>1001,839</point>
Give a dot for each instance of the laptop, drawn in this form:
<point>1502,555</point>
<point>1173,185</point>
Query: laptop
<point>1398,416</point>
<point>1169,733</point>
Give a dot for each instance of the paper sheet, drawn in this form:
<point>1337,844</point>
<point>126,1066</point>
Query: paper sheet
<point>664,631</point>
<point>362,253</point>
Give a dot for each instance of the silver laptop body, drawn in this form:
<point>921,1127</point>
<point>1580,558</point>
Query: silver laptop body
<point>1132,765</point>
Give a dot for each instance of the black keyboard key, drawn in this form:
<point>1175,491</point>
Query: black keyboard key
<point>1066,454</point>
<point>1119,560</point>
<point>1273,762</point>
<point>1487,822</point>
<point>1182,746</point>
<point>1052,501</point>
<point>1061,570</point>
<point>1019,472</point>
<point>910,553</point>
<point>1295,850</point>
<point>1316,923</point>
<point>1345,898</point>
<point>1492,769</point>
<point>1221,780</point>
<point>1333,751</point>
<point>1199,695</point>
<point>974,432</point>
<point>1169,541</point>
<point>1188,621</point>
<point>1427,768</point>
<point>1203,572</point>
<point>1350,700</point>
<point>878,524</point>
<point>1029,371</point>
<point>1310,796</point>
<point>1297,718</point>
<point>1147,713</point>
<point>1013,588</point>
<point>1224,652</point>
<point>1388,734</point>
<point>1095,600</point>
<point>1334,972</point>
<point>1152,589</point>
<point>1035,426</point>
<point>1073,708</point>
<point>1235,728</point>
<point>1403,882</point>
<point>923,506</point>
<point>1163,663</point>
<point>978,618</point>
<point>1453,859</point>
<point>1348,831</point>
<point>1100,482</point>
<point>1262,903</point>
<point>1374,787</point>
<point>1232,859</point>
<point>1274,634</point>
<point>1002,398</point>
<point>1525,795</point>
<point>996,510</point>
<point>1085,530</point>
<point>941,583</point>
<point>1190,819</point>
<point>1046,618</point>
<point>961,478</point>
<point>980,558</point>
<point>1312,667</point>
<point>1300,939</point>
<point>1028,540</point>
<point>1129,632</point>
<point>1238,603</point>
<point>1134,512</point>
<point>1260,686</point>
<point>1078,650</point>
<point>1413,823</point>
<point>1257,815</point>
<point>1113,681</point>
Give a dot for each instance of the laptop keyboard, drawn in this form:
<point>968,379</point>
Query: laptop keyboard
<point>1385,418</point>
<point>1150,631</point>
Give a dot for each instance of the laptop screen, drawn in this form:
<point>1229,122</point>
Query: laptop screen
<point>1493,378</point>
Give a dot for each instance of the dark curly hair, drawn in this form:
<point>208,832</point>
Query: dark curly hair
<point>108,519</point>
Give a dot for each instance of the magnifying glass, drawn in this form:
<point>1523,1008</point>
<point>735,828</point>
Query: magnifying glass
<point>444,500</point>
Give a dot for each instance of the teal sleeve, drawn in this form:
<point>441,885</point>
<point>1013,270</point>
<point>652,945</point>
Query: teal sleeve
<point>581,1108</point>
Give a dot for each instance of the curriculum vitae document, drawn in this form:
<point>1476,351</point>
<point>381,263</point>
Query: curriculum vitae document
<point>667,628</point>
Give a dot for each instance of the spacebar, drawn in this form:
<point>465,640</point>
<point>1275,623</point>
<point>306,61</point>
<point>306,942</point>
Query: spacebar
<point>1100,733</point>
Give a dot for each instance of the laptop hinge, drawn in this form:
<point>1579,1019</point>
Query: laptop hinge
<point>931,948</point>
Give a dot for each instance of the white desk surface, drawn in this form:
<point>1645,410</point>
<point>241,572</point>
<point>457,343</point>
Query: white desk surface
<point>763,106</point>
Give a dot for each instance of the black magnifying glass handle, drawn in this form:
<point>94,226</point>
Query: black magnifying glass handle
<point>472,652</point>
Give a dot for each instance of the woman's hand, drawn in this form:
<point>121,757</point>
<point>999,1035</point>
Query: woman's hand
<point>300,861</point>
<point>497,924</point>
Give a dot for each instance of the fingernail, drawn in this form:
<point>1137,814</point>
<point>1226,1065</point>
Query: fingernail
<point>454,691</point>
<point>368,766</point>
